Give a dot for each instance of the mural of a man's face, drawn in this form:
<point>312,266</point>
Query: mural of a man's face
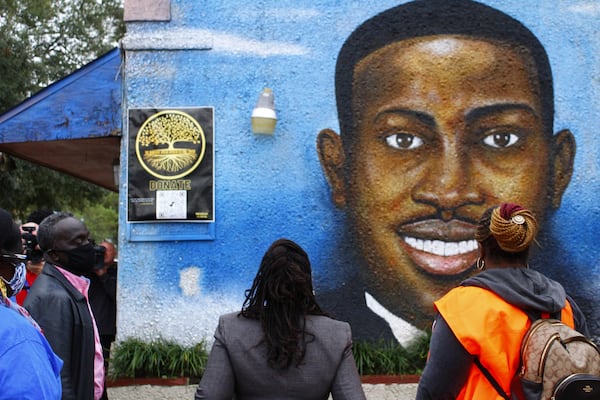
<point>445,127</point>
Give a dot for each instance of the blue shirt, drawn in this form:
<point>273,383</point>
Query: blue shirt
<point>29,369</point>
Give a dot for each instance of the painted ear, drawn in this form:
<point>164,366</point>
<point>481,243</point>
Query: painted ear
<point>564,156</point>
<point>332,158</point>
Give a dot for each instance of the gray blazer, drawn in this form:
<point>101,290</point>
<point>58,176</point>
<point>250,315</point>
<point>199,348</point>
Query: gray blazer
<point>237,364</point>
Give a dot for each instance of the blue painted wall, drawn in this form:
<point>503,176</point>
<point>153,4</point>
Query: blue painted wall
<point>222,54</point>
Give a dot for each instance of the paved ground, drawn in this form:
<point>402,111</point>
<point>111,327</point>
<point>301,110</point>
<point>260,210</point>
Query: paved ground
<point>147,392</point>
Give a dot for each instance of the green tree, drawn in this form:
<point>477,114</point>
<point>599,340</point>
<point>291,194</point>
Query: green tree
<point>101,217</point>
<point>42,41</point>
<point>26,187</point>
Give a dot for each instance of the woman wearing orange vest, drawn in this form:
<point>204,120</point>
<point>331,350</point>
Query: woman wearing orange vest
<point>486,317</point>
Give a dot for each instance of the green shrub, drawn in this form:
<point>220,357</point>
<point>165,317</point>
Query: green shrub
<point>387,358</point>
<point>134,358</point>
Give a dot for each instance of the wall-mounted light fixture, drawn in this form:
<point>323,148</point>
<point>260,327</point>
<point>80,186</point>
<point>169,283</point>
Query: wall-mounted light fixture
<point>264,118</point>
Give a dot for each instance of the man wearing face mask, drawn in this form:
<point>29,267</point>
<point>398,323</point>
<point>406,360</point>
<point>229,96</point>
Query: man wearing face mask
<point>29,369</point>
<point>58,301</point>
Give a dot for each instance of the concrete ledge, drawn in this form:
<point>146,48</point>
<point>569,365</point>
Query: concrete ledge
<point>120,382</point>
<point>393,391</point>
<point>389,379</point>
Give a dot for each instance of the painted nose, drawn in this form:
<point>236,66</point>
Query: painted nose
<point>448,184</point>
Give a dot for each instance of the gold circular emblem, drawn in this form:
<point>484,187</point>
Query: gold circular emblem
<point>170,144</point>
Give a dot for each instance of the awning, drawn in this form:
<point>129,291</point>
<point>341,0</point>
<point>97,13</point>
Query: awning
<point>73,125</point>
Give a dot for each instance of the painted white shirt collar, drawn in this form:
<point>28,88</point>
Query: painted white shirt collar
<point>403,331</point>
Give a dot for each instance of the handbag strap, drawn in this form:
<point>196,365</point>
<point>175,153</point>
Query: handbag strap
<point>490,378</point>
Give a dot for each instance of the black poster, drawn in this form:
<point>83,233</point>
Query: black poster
<point>170,165</point>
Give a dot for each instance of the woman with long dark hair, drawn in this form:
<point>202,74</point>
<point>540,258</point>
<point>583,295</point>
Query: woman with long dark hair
<point>281,345</point>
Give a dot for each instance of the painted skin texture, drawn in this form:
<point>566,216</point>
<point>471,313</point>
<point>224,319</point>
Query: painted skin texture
<point>454,127</point>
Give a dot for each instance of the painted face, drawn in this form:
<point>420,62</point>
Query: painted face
<point>445,127</point>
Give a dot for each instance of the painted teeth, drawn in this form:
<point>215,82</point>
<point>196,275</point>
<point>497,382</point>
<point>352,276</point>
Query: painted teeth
<point>441,248</point>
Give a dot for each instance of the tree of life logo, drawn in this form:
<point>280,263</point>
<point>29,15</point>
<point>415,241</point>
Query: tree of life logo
<point>170,144</point>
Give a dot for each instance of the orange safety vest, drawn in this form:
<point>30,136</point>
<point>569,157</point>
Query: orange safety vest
<point>491,329</point>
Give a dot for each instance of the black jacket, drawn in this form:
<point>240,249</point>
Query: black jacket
<point>63,314</point>
<point>103,300</point>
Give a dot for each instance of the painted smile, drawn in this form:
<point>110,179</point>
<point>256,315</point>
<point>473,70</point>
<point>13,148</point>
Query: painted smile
<point>438,247</point>
<point>441,248</point>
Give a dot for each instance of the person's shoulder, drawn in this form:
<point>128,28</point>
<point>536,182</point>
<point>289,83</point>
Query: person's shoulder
<point>230,316</point>
<point>329,333</point>
<point>326,319</point>
<point>15,326</point>
<point>235,319</point>
<point>235,327</point>
<point>45,289</point>
<point>50,276</point>
<point>324,322</point>
<point>46,284</point>
<point>7,316</point>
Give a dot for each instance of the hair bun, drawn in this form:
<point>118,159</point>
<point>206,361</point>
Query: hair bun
<point>513,227</point>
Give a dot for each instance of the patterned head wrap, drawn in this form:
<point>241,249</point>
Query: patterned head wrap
<point>513,226</point>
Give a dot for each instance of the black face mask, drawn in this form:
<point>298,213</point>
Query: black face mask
<point>81,259</point>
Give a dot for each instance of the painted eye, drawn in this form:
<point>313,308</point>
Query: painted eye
<point>404,141</point>
<point>501,140</point>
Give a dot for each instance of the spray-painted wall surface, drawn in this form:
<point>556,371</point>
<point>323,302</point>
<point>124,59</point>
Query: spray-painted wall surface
<point>175,278</point>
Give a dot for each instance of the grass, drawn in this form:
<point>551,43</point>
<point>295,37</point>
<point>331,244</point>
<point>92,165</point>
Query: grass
<point>133,358</point>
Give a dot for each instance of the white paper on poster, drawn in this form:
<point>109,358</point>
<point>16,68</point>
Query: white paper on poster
<point>171,204</point>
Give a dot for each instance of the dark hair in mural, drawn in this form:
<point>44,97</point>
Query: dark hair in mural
<point>280,297</point>
<point>437,17</point>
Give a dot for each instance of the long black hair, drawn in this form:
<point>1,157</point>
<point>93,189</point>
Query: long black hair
<point>281,297</point>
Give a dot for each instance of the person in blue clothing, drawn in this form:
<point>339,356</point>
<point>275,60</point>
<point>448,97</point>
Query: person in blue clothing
<point>29,369</point>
